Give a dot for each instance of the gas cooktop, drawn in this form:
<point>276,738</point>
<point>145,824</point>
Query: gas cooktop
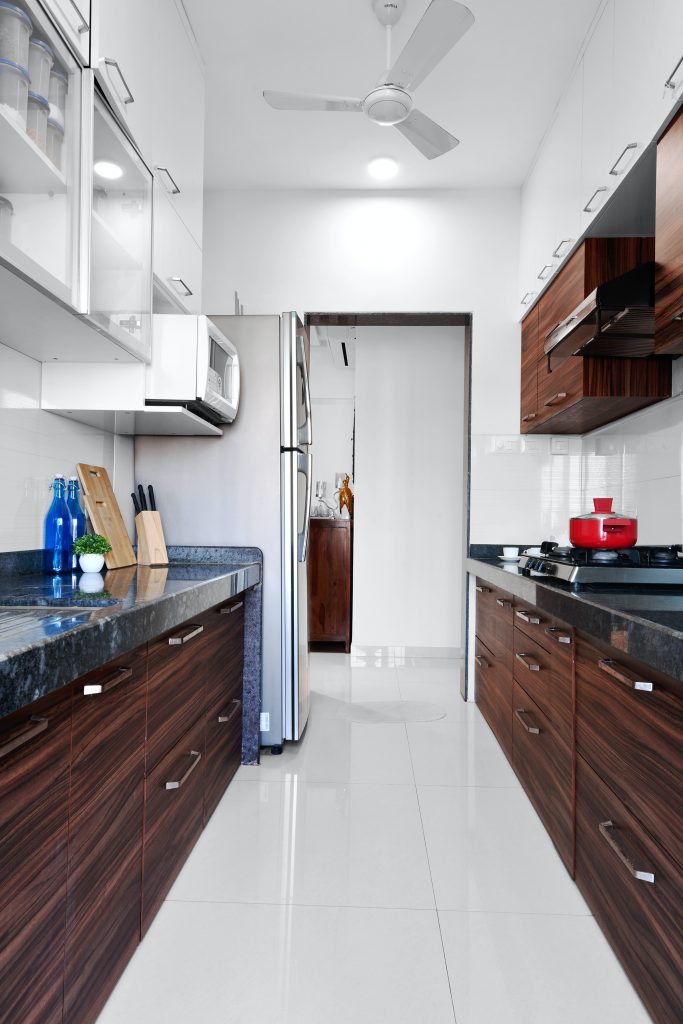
<point>651,566</point>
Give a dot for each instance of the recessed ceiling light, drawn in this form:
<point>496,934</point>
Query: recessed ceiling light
<point>383,168</point>
<point>106,169</point>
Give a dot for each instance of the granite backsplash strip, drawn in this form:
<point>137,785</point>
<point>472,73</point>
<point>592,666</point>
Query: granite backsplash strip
<point>20,563</point>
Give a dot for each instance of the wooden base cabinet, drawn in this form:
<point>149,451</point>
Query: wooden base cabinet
<point>330,569</point>
<point>669,242</point>
<point>493,689</point>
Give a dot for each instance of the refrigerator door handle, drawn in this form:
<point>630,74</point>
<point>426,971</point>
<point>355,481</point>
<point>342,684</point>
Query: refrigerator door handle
<point>305,466</point>
<point>304,433</point>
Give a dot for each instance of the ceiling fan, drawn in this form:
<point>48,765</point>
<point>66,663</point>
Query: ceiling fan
<point>390,102</point>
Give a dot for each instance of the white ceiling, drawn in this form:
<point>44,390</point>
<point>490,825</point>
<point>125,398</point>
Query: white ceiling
<point>496,91</point>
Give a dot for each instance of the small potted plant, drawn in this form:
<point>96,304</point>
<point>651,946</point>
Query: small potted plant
<point>91,549</point>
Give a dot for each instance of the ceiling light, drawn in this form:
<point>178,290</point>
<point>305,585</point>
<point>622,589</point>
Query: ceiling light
<point>106,169</point>
<point>383,168</point>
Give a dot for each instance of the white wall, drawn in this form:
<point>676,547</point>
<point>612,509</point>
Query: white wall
<point>410,426</point>
<point>332,402</point>
<point>35,445</point>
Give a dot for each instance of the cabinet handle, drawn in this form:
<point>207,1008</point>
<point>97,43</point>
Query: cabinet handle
<point>529,416</point>
<point>607,830</point>
<point>521,715</point>
<point>533,620</point>
<point>229,609</point>
<point>554,399</point>
<point>481,662</point>
<point>542,274</point>
<point>483,590</point>
<point>179,280</point>
<point>170,185</point>
<point>174,641</point>
<point>671,80</point>
<point>23,734</point>
<point>503,603</point>
<point>119,675</point>
<point>83,26</point>
<point>111,63</point>
<point>526,298</point>
<point>587,208</point>
<point>627,149</point>
<point>533,666</point>
<point>614,669</point>
<point>558,634</point>
<point>556,251</point>
<point>226,716</point>
<point>196,758</point>
<point>677,316</point>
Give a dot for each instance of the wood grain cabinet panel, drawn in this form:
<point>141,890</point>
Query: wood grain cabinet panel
<point>531,354</point>
<point>330,562</point>
<point>493,694</point>
<point>669,242</point>
<point>635,892</point>
<point>223,751</point>
<point>34,793</point>
<point>548,681</point>
<point>494,621</point>
<point>224,663</point>
<point>548,632</point>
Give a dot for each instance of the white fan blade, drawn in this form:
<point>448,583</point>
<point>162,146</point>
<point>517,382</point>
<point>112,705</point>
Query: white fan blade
<point>442,25</point>
<point>426,135</point>
<point>302,101</point>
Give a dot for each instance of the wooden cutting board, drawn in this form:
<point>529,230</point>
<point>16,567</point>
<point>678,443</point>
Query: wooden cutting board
<point>105,514</point>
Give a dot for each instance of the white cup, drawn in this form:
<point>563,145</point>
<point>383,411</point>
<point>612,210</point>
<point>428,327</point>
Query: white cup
<point>509,552</point>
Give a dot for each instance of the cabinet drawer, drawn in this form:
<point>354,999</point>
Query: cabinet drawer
<point>642,919</point>
<point>179,663</point>
<point>547,680</point>
<point>225,661</point>
<point>559,390</point>
<point>544,766</point>
<point>493,694</point>
<point>223,751</point>
<point>174,811</point>
<point>633,737</point>
<point>108,725</point>
<point>494,621</point>
<point>549,633</point>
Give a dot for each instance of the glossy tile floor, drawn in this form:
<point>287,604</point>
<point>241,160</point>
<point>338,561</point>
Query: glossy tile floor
<point>376,872</point>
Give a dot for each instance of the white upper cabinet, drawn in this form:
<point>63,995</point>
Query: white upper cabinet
<point>598,101</point>
<point>73,18</point>
<point>564,147</point>
<point>177,259</point>
<point>668,46</point>
<point>637,109</point>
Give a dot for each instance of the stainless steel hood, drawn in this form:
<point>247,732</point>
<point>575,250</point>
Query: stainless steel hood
<point>616,319</point>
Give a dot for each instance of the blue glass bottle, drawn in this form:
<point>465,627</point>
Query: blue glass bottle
<point>57,536</point>
<point>73,504</point>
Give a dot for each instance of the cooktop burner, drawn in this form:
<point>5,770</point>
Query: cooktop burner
<point>647,565</point>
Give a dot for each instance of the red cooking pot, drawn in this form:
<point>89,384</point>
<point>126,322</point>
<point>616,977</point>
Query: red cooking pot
<point>603,528</point>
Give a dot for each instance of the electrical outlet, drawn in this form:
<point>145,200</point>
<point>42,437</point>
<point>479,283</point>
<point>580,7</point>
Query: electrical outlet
<point>265,721</point>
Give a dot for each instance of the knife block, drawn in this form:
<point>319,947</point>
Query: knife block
<point>151,543</point>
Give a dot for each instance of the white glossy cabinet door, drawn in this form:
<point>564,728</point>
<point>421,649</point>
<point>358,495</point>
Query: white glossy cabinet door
<point>177,257</point>
<point>178,141</point>
<point>597,146</point>
<point>668,45</point>
<point>73,18</point>
<point>637,109</point>
<point>564,164</point>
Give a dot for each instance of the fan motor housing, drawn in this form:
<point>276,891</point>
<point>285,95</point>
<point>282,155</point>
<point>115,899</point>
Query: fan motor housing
<point>388,11</point>
<point>387,105</point>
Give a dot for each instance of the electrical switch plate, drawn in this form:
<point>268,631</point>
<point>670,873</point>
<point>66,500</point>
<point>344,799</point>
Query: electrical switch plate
<point>510,444</point>
<point>559,446</point>
<point>265,721</point>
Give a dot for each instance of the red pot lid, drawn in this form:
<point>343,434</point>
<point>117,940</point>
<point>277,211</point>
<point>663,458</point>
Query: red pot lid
<point>603,510</point>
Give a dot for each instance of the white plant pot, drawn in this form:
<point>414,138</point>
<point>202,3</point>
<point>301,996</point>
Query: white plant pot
<point>91,563</point>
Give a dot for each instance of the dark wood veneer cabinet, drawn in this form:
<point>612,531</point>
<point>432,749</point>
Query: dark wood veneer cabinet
<point>493,661</point>
<point>330,567</point>
<point>669,242</point>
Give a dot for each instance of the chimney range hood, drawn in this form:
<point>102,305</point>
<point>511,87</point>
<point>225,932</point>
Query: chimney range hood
<point>616,319</point>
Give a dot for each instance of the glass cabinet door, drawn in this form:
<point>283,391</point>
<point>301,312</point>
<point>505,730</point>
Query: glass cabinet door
<point>40,153</point>
<point>120,236</point>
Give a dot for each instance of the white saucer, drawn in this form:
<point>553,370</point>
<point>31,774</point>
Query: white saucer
<point>514,558</point>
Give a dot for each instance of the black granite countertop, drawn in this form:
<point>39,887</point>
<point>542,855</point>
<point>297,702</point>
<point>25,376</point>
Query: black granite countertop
<point>52,631</point>
<point>644,622</point>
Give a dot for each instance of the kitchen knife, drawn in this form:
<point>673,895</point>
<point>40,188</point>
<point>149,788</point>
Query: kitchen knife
<point>143,500</point>
<point>152,502</point>
<point>135,503</point>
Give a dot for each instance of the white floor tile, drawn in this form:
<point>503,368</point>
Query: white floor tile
<point>535,969</point>
<point>488,851</point>
<point>240,964</point>
<point>458,751</point>
<point>304,843</point>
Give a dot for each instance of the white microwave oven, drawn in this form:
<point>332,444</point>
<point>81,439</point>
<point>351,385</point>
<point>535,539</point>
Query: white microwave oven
<point>195,365</point>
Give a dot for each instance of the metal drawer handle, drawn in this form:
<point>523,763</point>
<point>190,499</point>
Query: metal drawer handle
<point>533,666</point>
<point>170,185</point>
<point>614,669</point>
<point>118,676</point>
<point>226,716</point>
<point>111,63</point>
<point>521,715</point>
<point>503,603</point>
<point>558,634</point>
<point>178,280</point>
<point>529,416</point>
<point>559,397</point>
<point>542,274</point>
<point>483,590</point>
<point>587,208</point>
<point>196,758</point>
<point>678,316</point>
<point>83,26</point>
<point>23,734</point>
<point>533,620</point>
<point>229,609</point>
<point>182,639</point>
<point>671,80</point>
<point>627,149</point>
<point>526,298</point>
<point>481,662</point>
<point>607,830</point>
<point>556,252</point>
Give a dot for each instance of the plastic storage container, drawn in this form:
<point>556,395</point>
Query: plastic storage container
<point>59,87</point>
<point>36,119</point>
<point>14,82</point>
<point>6,214</point>
<point>55,143</point>
<point>15,32</point>
<point>40,63</point>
